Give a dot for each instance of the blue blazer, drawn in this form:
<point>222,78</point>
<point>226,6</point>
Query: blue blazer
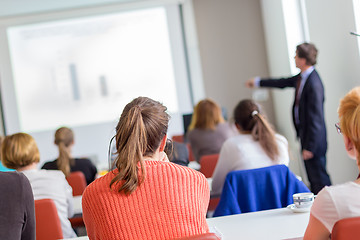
<point>311,130</point>
<point>258,189</point>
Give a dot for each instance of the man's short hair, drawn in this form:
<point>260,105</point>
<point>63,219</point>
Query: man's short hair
<point>307,51</point>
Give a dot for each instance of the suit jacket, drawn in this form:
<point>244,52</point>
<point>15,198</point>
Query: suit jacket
<point>311,128</point>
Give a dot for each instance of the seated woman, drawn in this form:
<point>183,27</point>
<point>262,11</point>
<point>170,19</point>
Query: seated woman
<point>208,129</point>
<point>19,151</point>
<point>146,196</point>
<point>339,201</point>
<point>257,145</point>
<point>64,139</point>
<point>17,215</point>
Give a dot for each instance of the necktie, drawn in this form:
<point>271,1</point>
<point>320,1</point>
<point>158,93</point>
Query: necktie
<point>297,91</point>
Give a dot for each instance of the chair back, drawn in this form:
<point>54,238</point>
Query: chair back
<point>178,138</point>
<point>48,226</point>
<point>346,229</point>
<point>77,181</point>
<point>204,236</point>
<point>191,154</point>
<point>258,189</point>
<point>208,164</point>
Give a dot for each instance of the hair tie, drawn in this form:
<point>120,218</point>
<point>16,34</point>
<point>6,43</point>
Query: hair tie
<point>254,113</point>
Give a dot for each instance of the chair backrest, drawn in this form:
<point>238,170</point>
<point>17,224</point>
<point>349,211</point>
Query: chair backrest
<point>346,229</point>
<point>204,236</point>
<point>178,138</point>
<point>78,182</point>
<point>191,154</point>
<point>258,189</point>
<point>48,226</point>
<point>208,164</point>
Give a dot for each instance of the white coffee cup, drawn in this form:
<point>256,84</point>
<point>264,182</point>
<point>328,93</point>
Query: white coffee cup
<point>303,200</point>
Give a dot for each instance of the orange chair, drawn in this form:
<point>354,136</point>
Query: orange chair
<point>78,182</point>
<point>214,201</point>
<point>208,164</point>
<point>178,138</point>
<point>204,236</point>
<point>191,155</point>
<point>346,229</point>
<point>48,226</point>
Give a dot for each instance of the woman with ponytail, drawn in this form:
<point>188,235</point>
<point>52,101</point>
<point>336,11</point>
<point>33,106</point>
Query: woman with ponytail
<point>340,201</point>
<point>256,146</point>
<point>146,196</point>
<point>64,139</point>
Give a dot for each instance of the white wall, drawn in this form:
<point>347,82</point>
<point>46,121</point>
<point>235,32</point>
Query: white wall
<point>232,49</point>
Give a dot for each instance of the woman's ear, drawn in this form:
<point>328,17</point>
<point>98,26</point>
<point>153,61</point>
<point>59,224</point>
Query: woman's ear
<point>163,143</point>
<point>349,146</point>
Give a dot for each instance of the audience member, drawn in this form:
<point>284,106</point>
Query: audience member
<point>208,130</point>
<point>19,151</point>
<point>64,139</point>
<point>177,152</point>
<point>340,201</point>
<point>146,196</point>
<point>2,168</point>
<point>257,146</point>
<point>17,215</point>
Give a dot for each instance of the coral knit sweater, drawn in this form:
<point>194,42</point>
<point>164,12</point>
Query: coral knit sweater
<point>170,203</point>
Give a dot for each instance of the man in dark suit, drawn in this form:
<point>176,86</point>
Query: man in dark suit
<point>308,113</point>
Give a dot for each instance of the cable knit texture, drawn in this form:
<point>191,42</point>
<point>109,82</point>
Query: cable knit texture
<point>170,203</point>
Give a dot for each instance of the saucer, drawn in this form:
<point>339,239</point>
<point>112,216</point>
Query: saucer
<point>298,210</point>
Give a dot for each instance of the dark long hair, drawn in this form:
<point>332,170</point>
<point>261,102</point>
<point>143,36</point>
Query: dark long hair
<point>142,125</point>
<point>248,117</point>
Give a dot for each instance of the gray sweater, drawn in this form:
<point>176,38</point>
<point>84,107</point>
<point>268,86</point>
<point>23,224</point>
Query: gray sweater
<point>17,215</point>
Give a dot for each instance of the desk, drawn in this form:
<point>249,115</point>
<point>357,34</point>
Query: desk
<point>277,224</point>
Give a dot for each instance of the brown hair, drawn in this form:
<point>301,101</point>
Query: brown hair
<point>142,125</point>
<point>19,150</point>
<point>349,115</point>
<point>248,118</point>
<point>307,51</point>
<point>207,114</point>
<point>64,137</point>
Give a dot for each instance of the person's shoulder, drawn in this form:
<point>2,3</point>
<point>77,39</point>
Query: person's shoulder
<point>50,165</point>
<point>12,177</point>
<point>281,138</point>
<point>176,169</point>
<point>54,174</point>
<point>83,161</point>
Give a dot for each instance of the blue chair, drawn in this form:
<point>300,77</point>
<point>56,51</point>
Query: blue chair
<point>258,189</point>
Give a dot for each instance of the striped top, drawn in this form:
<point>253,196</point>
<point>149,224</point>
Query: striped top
<point>170,203</point>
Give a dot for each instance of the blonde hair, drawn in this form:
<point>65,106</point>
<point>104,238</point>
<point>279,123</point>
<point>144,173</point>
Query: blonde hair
<point>142,126</point>
<point>207,115</point>
<point>247,115</point>
<point>19,150</point>
<point>64,137</point>
<point>349,115</point>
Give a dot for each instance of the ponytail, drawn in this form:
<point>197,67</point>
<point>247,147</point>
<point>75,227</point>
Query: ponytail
<point>64,137</point>
<point>63,161</point>
<point>263,133</point>
<point>248,118</point>
<point>132,142</point>
<point>142,125</point>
